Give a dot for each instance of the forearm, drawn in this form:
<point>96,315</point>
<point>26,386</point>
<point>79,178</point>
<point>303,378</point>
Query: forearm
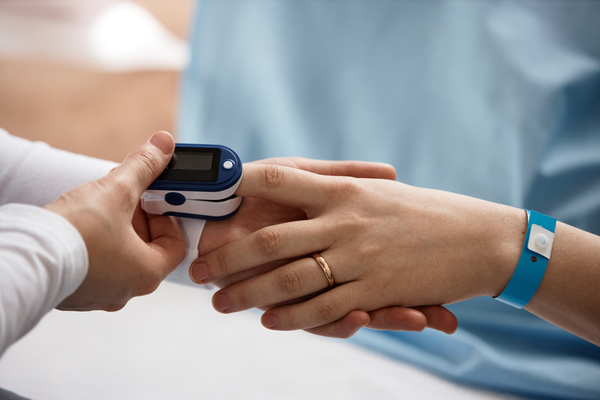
<point>569,295</point>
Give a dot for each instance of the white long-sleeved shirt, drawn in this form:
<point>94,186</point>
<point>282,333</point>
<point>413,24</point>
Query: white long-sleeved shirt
<point>43,259</point>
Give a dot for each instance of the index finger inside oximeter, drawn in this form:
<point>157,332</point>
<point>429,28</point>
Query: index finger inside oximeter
<point>199,182</point>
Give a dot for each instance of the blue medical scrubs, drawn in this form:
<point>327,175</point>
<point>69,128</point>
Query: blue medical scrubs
<point>494,99</point>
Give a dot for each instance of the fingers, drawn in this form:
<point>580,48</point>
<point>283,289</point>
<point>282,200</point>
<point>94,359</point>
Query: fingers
<point>397,319</point>
<point>357,169</point>
<point>392,319</point>
<point>345,327</point>
<point>293,281</point>
<point>145,163</point>
<point>283,185</point>
<point>302,279</point>
<point>439,318</point>
<point>324,309</point>
<point>142,166</point>
<point>327,313</point>
<point>279,242</point>
<point>413,319</point>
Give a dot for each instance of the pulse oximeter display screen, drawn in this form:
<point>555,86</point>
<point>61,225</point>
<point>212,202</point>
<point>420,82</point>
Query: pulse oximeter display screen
<point>193,165</point>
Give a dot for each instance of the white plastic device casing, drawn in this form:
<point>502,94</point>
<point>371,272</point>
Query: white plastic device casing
<point>209,205</point>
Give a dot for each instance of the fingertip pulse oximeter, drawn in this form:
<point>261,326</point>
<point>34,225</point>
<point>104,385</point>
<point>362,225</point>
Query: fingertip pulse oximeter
<point>199,182</point>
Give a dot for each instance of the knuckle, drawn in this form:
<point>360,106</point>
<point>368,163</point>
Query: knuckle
<point>295,161</point>
<point>237,298</point>
<point>147,160</point>
<point>351,222</point>
<point>268,241</point>
<point>348,187</point>
<point>218,265</point>
<point>324,312</point>
<point>292,161</point>
<point>240,298</point>
<point>289,282</point>
<point>273,176</point>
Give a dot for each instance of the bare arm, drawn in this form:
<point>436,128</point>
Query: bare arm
<point>569,295</point>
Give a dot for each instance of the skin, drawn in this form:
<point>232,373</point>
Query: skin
<point>390,244</point>
<point>257,213</point>
<point>130,252</point>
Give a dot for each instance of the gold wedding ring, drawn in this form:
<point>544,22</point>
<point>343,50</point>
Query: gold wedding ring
<point>326,270</point>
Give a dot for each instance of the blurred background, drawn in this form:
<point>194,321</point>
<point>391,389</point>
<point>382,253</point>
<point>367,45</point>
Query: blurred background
<point>93,76</point>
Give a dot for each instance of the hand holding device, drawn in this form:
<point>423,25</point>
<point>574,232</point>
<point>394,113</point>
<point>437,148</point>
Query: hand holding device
<point>129,251</point>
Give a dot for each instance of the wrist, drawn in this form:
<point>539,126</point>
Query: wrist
<point>533,260</point>
<point>505,248</point>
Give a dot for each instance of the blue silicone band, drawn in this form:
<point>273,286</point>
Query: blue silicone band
<point>531,267</point>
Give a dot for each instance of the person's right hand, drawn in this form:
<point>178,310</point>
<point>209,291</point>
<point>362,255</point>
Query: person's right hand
<point>256,213</point>
<point>130,252</point>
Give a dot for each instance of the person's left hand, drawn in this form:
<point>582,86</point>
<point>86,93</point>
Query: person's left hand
<point>130,252</point>
<point>257,213</point>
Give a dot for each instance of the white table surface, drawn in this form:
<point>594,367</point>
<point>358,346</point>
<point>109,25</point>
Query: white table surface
<point>173,345</point>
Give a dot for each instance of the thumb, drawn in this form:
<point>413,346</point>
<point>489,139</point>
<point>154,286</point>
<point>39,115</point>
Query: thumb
<point>146,162</point>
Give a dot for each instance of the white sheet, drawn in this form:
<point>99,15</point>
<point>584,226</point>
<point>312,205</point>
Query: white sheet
<point>173,345</point>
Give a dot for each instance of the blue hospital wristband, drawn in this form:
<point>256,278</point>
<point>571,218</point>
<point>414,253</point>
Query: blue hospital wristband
<point>533,262</point>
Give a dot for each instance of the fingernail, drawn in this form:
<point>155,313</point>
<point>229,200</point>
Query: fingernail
<point>269,321</point>
<point>199,272</point>
<point>220,302</point>
<point>162,141</point>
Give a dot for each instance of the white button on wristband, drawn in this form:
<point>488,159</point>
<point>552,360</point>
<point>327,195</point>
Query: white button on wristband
<point>533,262</point>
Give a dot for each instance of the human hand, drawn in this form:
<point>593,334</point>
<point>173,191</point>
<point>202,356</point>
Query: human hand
<point>130,252</point>
<point>257,213</point>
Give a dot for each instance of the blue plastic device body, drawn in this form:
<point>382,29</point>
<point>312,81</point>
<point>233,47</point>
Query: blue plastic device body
<point>199,182</point>
<point>219,177</point>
